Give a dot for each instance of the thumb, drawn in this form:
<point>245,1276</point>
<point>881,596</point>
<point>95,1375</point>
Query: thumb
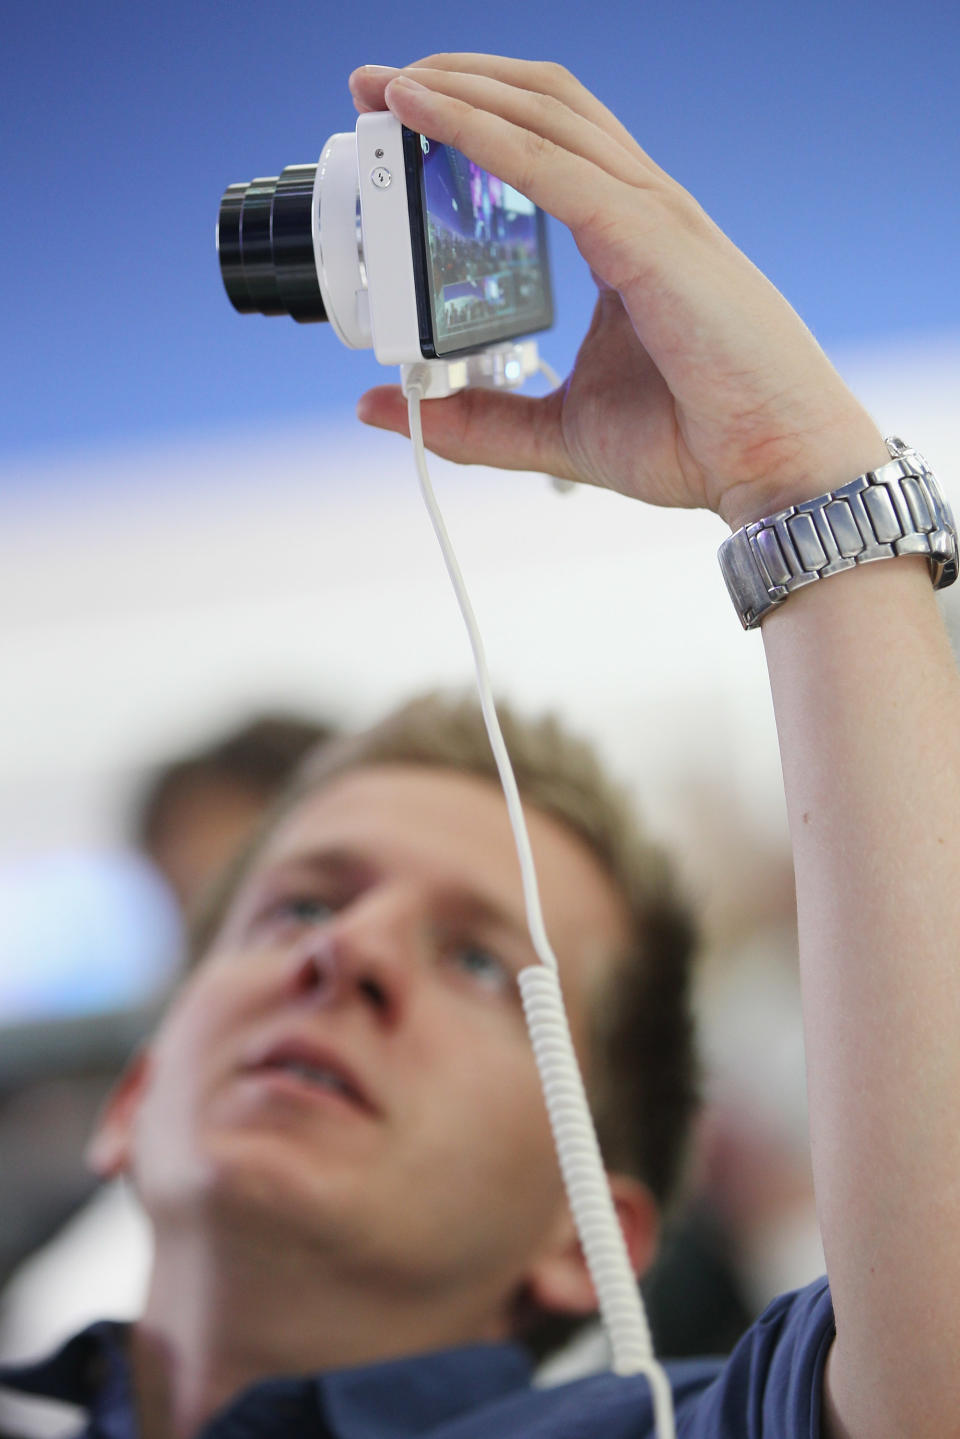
<point>480,427</point>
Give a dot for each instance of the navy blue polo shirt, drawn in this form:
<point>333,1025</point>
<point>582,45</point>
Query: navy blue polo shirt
<point>769,1388</point>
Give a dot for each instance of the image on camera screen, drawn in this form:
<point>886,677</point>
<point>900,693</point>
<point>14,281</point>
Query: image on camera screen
<point>486,254</point>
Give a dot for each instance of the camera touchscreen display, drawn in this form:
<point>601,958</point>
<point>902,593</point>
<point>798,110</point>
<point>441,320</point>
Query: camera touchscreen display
<point>483,272</point>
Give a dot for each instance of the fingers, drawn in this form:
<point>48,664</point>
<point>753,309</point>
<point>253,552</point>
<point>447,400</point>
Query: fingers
<point>539,114</point>
<point>480,427</point>
<point>537,77</point>
<point>567,186</point>
<point>618,204</point>
<point>540,77</point>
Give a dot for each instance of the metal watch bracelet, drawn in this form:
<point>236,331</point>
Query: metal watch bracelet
<point>898,509</point>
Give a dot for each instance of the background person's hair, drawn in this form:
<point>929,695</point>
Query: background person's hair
<point>258,756</point>
<point>643,1081</point>
<point>195,813</point>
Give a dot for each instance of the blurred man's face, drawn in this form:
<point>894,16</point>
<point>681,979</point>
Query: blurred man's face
<point>349,1069</point>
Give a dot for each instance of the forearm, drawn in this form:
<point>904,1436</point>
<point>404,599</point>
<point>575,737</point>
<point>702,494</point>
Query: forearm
<point>867,700</point>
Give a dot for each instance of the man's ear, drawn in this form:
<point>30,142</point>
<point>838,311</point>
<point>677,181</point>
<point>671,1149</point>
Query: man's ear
<point>109,1150</point>
<point>559,1280</point>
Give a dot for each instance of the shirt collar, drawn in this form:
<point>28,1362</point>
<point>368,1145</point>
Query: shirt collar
<point>392,1400</point>
<point>406,1397</point>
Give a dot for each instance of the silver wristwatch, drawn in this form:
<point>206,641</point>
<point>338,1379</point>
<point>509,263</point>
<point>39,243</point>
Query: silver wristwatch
<point>898,509</point>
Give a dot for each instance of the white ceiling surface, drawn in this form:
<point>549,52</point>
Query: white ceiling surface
<point>301,570</point>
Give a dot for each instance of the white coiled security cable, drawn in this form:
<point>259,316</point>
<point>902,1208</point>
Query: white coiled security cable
<point>581,1165</point>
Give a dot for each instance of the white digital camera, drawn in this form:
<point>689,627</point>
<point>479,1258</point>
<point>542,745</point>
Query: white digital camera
<point>403,245</point>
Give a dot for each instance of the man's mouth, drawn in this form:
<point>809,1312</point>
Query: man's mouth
<point>313,1068</point>
<point>313,1074</point>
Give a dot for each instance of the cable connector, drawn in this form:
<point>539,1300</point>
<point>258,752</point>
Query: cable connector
<point>498,367</point>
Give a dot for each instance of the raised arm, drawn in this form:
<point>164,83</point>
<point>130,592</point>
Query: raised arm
<point>866,697</point>
<point>697,385</point>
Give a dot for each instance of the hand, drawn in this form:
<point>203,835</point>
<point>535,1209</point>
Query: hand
<point>696,384</point>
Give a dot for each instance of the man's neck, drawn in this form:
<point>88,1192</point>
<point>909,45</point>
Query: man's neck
<point>217,1322</point>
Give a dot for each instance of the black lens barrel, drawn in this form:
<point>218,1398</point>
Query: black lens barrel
<point>265,245</point>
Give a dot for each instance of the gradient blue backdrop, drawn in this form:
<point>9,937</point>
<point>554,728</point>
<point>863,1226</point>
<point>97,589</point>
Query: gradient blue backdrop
<point>823,136</point>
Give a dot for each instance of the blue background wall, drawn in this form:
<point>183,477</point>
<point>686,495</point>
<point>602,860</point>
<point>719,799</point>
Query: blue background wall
<point>823,136</point>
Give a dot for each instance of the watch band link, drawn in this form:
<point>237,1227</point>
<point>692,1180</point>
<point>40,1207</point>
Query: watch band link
<point>884,513</point>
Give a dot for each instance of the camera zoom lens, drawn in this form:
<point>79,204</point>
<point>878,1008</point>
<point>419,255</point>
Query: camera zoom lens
<point>265,245</point>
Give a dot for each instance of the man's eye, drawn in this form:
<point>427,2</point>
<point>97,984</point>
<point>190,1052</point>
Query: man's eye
<point>483,968</point>
<point>302,908</point>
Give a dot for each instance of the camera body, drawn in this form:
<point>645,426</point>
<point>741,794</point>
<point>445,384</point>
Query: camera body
<point>385,219</point>
<point>404,246</point>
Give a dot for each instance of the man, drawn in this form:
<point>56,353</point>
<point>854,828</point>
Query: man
<point>338,1133</point>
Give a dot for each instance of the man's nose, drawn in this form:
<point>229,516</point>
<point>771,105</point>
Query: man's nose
<point>365,955</point>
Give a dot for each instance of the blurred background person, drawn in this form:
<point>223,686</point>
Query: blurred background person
<point>189,820</point>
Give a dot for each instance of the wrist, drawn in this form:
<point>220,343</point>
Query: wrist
<point>818,467</point>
